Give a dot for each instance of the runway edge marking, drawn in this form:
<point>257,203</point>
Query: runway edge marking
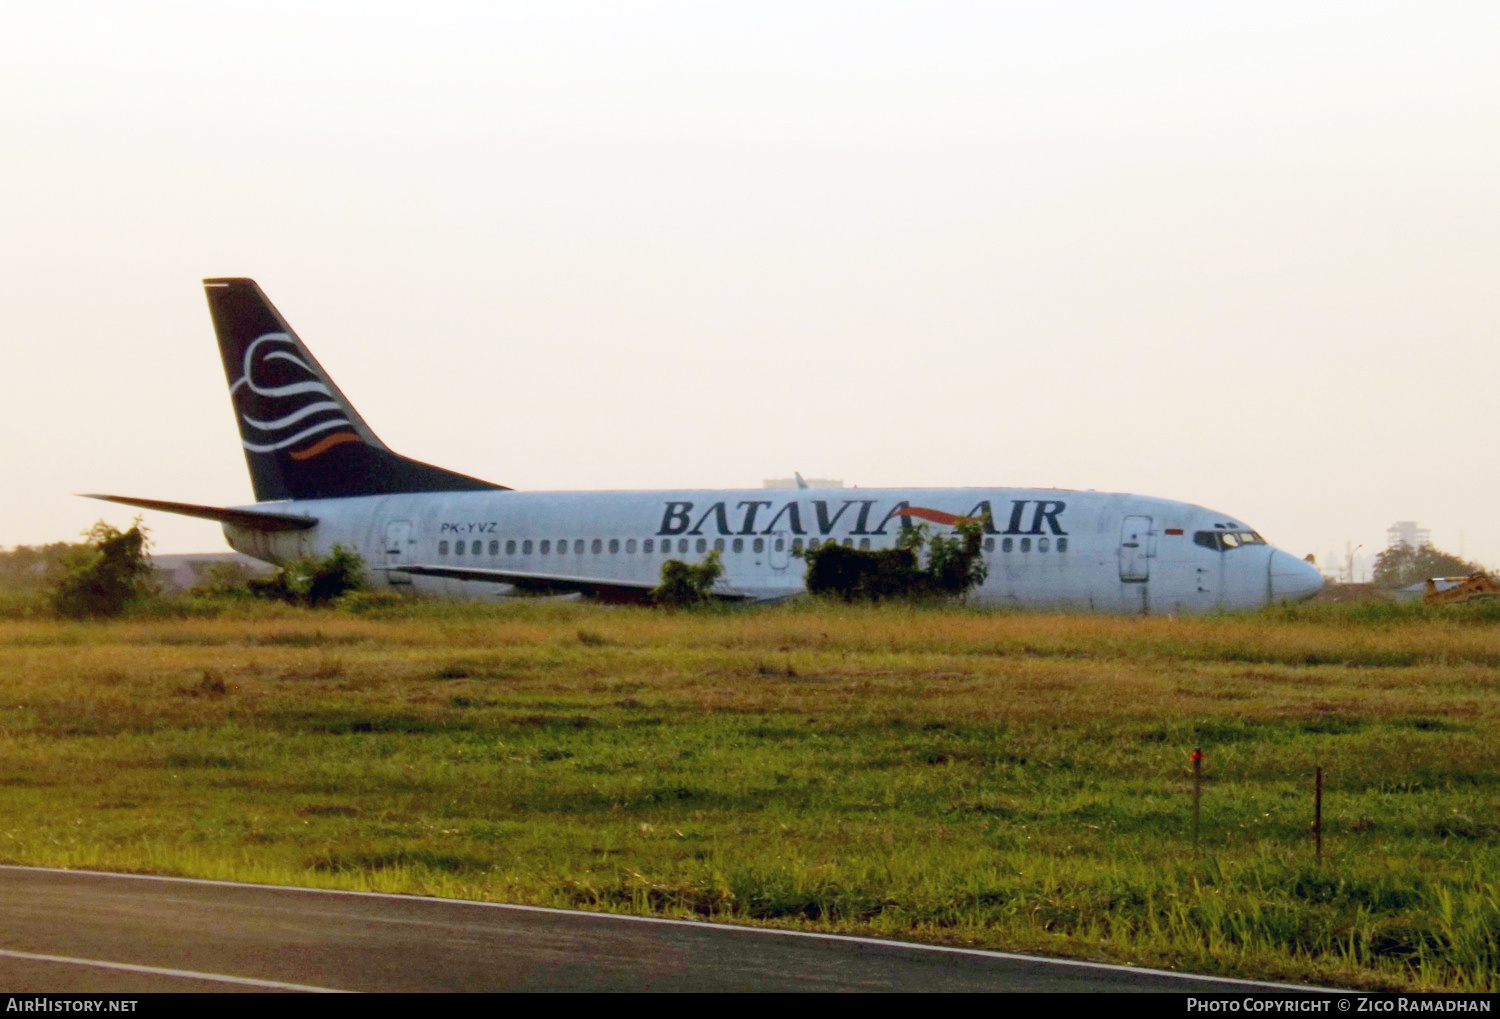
<point>187,974</point>
<point>668,921</point>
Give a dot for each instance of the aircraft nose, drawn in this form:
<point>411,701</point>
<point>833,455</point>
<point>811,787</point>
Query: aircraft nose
<point>1292,579</point>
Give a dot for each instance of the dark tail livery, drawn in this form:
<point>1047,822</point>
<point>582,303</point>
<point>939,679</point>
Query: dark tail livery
<point>302,438</point>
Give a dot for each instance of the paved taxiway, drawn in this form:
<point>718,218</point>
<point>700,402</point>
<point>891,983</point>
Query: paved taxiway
<point>81,931</point>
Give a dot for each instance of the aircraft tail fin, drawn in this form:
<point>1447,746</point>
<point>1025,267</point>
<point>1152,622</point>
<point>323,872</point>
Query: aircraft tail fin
<point>302,437</point>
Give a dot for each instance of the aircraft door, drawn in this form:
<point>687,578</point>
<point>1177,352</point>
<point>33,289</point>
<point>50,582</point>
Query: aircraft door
<point>398,543</point>
<point>780,549</point>
<point>1135,549</point>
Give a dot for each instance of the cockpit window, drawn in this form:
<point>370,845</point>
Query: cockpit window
<point>1224,541</point>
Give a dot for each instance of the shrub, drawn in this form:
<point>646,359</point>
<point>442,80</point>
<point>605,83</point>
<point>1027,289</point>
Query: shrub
<point>314,582</point>
<point>105,573</point>
<point>853,574</point>
<point>683,585</point>
<point>954,566</point>
<point>224,580</point>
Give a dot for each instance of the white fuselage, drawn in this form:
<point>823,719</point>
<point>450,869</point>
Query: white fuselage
<point>1045,548</point>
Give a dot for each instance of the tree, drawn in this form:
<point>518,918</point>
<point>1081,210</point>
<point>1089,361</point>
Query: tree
<point>683,585</point>
<point>1401,565</point>
<point>105,573</point>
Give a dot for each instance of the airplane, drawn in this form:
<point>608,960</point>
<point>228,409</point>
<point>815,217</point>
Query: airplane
<point>321,477</point>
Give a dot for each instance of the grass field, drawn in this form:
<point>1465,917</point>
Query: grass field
<point>1009,781</point>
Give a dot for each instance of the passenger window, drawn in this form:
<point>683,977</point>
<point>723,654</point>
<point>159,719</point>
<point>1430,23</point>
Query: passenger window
<point>758,545</point>
<point>526,547</point>
<point>494,548</point>
<point>630,545</point>
<point>546,547</point>
<point>702,545</point>
<point>1025,544</point>
<point>739,544</point>
<point>562,546</point>
<point>578,546</point>
<point>1062,544</point>
<point>864,544</point>
<point>1007,544</point>
<point>811,545</point>
<point>1043,544</point>
<point>848,542</point>
<point>648,546</point>
<point>458,548</point>
<point>442,548</point>
<point>718,544</point>
<point>989,544</point>
<point>682,546</point>
<point>796,544</point>
<point>510,547</point>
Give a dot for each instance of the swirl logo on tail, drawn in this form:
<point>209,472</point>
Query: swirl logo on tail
<point>283,403</point>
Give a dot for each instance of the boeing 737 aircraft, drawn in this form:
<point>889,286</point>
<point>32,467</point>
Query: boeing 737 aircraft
<point>321,477</point>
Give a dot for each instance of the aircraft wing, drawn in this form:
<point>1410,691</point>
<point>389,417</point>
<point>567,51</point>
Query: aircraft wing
<point>256,520</point>
<point>593,586</point>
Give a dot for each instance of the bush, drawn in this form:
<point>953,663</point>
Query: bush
<point>314,582</point>
<point>224,580</point>
<point>683,585</point>
<point>105,574</point>
<point>954,566</point>
<point>852,574</point>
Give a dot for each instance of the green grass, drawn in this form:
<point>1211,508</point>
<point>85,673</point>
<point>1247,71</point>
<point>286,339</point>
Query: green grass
<point>1008,781</point>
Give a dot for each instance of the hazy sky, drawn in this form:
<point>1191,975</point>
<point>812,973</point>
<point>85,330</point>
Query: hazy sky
<point>1242,255</point>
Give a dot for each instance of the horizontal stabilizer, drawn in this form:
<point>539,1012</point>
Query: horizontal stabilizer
<point>592,586</point>
<point>255,520</point>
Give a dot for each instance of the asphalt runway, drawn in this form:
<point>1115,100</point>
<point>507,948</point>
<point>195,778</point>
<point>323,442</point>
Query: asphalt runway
<point>114,933</point>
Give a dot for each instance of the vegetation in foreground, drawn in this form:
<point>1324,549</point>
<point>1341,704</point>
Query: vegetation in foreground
<point>922,567</point>
<point>1006,781</point>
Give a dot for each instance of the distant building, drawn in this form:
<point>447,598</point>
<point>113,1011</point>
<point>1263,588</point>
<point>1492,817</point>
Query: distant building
<point>1406,532</point>
<point>811,483</point>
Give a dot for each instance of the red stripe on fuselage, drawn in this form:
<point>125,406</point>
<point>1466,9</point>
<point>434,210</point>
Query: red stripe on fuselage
<point>936,516</point>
